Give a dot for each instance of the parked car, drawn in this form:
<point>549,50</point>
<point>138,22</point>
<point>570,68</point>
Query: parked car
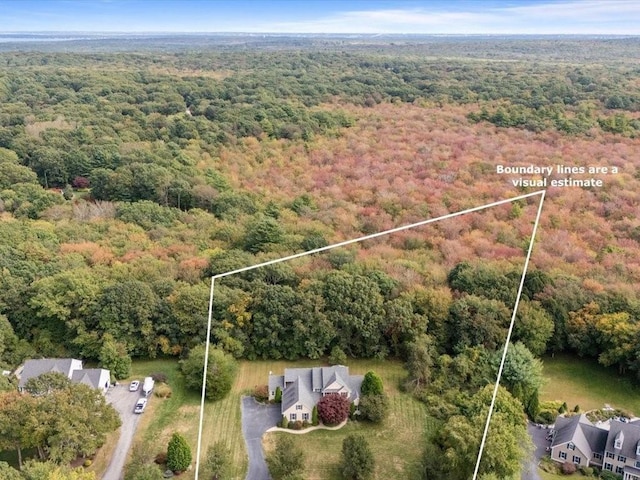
<point>133,386</point>
<point>140,406</point>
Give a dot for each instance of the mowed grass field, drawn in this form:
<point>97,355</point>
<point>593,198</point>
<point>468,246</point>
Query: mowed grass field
<point>584,382</point>
<point>397,443</point>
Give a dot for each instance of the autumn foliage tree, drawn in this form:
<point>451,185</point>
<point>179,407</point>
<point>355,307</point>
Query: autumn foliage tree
<point>333,409</point>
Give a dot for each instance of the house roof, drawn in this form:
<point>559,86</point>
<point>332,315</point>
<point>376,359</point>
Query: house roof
<point>37,367</point>
<point>298,392</point>
<point>629,433</point>
<point>94,377</point>
<point>581,432</point>
<point>306,385</point>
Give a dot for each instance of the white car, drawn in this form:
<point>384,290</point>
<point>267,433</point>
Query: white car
<point>140,406</point>
<point>133,386</point>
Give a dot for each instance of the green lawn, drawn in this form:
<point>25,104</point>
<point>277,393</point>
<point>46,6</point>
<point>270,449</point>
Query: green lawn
<point>584,382</point>
<point>396,444</point>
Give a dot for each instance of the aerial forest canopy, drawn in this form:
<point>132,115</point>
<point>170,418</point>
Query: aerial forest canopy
<point>132,171</point>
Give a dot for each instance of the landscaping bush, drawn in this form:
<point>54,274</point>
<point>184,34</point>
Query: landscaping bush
<point>278,395</point>
<point>568,468</point>
<point>261,393</point>
<point>284,423</point>
<point>87,463</point>
<point>586,471</point>
<point>576,409</point>
<point>372,384</point>
<point>161,458</point>
<point>609,475</point>
<point>563,408</point>
<point>291,424</point>
<point>159,377</point>
<point>162,391</point>
<point>333,409</point>
<point>314,416</point>
<point>297,425</point>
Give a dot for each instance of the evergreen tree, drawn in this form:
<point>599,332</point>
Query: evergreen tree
<point>178,453</point>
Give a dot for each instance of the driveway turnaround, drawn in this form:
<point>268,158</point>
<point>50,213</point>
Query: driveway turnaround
<point>123,401</point>
<point>257,418</point>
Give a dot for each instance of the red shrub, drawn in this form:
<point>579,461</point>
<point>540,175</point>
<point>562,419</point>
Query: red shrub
<point>333,409</point>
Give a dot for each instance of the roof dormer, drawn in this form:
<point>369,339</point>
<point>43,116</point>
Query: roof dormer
<point>638,449</point>
<point>618,441</point>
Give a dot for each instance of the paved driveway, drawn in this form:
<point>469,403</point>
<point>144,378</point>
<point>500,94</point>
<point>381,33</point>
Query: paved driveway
<point>538,435</point>
<point>257,419</point>
<point>123,401</point>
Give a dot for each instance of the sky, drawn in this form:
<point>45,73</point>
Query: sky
<point>604,17</point>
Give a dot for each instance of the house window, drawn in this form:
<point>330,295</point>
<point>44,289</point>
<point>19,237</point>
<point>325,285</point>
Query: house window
<point>610,455</point>
<point>619,470</point>
<point>608,466</point>
<point>597,456</point>
<point>298,407</point>
<point>576,460</point>
<point>305,416</point>
<point>344,394</point>
<point>293,416</point>
<point>622,458</point>
<point>638,449</point>
<point>563,455</point>
<point>618,444</point>
<point>637,464</point>
<point>571,446</point>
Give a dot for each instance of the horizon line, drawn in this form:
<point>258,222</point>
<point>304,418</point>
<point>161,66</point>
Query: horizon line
<point>370,34</point>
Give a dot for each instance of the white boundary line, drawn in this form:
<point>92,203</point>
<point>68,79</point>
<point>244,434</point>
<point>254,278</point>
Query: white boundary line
<point>336,245</point>
<point>506,345</point>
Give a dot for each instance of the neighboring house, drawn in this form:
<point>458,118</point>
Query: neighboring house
<point>70,367</point>
<point>302,388</point>
<point>616,448</point>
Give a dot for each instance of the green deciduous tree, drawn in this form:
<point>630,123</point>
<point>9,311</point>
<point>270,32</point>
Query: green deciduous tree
<point>357,459</point>
<point>178,453</point>
<point>221,371</point>
<point>374,408</point>
<point>476,320</point>
<point>114,357</point>
<point>354,305</point>
<point>287,458</point>
<point>533,327</point>
<point>262,234</point>
<point>217,464</point>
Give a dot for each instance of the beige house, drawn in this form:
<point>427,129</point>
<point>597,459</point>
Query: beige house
<point>612,446</point>
<point>302,388</point>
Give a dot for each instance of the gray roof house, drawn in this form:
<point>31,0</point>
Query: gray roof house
<point>98,378</point>
<point>302,388</point>
<point>612,446</point>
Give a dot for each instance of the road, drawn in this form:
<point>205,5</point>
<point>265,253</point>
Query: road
<point>123,401</point>
<point>257,419</point>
